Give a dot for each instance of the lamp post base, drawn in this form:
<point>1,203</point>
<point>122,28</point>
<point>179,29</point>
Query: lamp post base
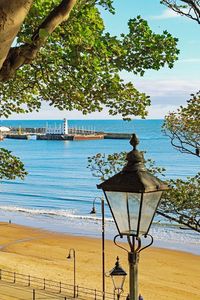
<point>133,258</point>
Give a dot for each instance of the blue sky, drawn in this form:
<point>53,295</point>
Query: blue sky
<point>168,88</point>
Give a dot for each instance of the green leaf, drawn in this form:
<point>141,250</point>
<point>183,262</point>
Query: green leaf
<point>43,33</point>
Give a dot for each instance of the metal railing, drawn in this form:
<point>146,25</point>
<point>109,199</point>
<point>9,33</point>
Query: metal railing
<point>66,291</point>
<point>42,130</point>
<point>13,291</point>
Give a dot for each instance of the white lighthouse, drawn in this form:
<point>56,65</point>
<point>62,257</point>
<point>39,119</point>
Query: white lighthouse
<point>58,129</point>
<point>65,126</point>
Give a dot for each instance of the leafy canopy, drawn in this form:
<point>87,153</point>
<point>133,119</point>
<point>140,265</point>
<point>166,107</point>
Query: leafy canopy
<point>79,65</point>
<point>10,166</point>
<point>182,202</point>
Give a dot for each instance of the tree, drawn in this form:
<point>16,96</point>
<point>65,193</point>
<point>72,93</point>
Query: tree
<point>183,127</point>
<point>10,166</point>
<point>62,55</point>
<point>181,204</point>
<point>188,8</point>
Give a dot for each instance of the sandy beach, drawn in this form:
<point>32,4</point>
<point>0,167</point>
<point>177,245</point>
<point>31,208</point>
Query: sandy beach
<point>163,274</point>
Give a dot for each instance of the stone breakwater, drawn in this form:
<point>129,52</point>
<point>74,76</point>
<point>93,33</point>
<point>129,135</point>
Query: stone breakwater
<point>69,137</point>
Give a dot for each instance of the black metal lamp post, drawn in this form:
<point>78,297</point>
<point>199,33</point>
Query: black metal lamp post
<point>93,211</point>
<point>118,276</point>
<point>72,254</point>
<point>133,196</point>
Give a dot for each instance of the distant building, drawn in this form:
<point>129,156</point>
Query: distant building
<point>4,129</point>
<point>58,129</point>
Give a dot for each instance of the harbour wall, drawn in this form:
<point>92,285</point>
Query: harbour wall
<point>73,135</point>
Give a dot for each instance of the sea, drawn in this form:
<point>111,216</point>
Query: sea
<point>59,191</point>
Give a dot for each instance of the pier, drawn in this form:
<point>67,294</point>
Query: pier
<point>73,135</point>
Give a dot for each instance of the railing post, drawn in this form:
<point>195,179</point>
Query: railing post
<point>60,287</point>
<point>14,277</point>
<point>29,280</point>
<point>77,291</point>
<point>44,284</point>
<point>95,294</point>
<point>33,294</point>
<point>0,274</point>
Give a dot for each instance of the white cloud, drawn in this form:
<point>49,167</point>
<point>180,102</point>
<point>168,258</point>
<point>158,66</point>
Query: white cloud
<point>160,111</point>
<point>155,111</point>
<point>51,113</point>
<point>163,88</point>
<point>194,42</point>
<point>166,95</point>
<point>166,14</point>
<point>189,60</point>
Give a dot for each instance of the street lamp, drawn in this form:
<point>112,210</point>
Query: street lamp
<point>133,196</point>
<point>118,276</point>
<point>72,254</point>
<point>93,211</point>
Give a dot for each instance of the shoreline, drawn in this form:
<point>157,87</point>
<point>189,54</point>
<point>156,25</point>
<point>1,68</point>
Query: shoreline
<point>163,274</point>
<point>165,236</point>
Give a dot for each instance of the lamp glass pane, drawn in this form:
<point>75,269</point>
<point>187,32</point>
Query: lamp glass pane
<point>118,204</point>
<point>134,206</point>
<point>118,281</point>
<point>149,205</point>
<point>125,208</point>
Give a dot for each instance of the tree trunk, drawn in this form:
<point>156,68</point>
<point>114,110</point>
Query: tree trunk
<point>12,15</point>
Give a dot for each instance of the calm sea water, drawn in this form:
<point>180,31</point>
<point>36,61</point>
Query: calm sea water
<point>59,190</point>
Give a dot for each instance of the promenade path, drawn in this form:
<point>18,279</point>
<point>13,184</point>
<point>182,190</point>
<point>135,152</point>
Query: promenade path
<point>13,292</point>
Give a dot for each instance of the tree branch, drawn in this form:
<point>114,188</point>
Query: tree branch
<point>190,225</point>
<point>26,53</point>
<point>193,8</point>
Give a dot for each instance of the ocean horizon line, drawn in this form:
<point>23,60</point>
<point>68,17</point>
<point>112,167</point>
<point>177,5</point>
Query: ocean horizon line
<point>156,119</point>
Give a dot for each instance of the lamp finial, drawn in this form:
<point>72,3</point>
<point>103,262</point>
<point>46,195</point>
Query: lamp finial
<point>117,262</point>
<point>135,158</point>
<point>134,141</point>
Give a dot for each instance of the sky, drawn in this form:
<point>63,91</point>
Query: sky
<point>168,88</point>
